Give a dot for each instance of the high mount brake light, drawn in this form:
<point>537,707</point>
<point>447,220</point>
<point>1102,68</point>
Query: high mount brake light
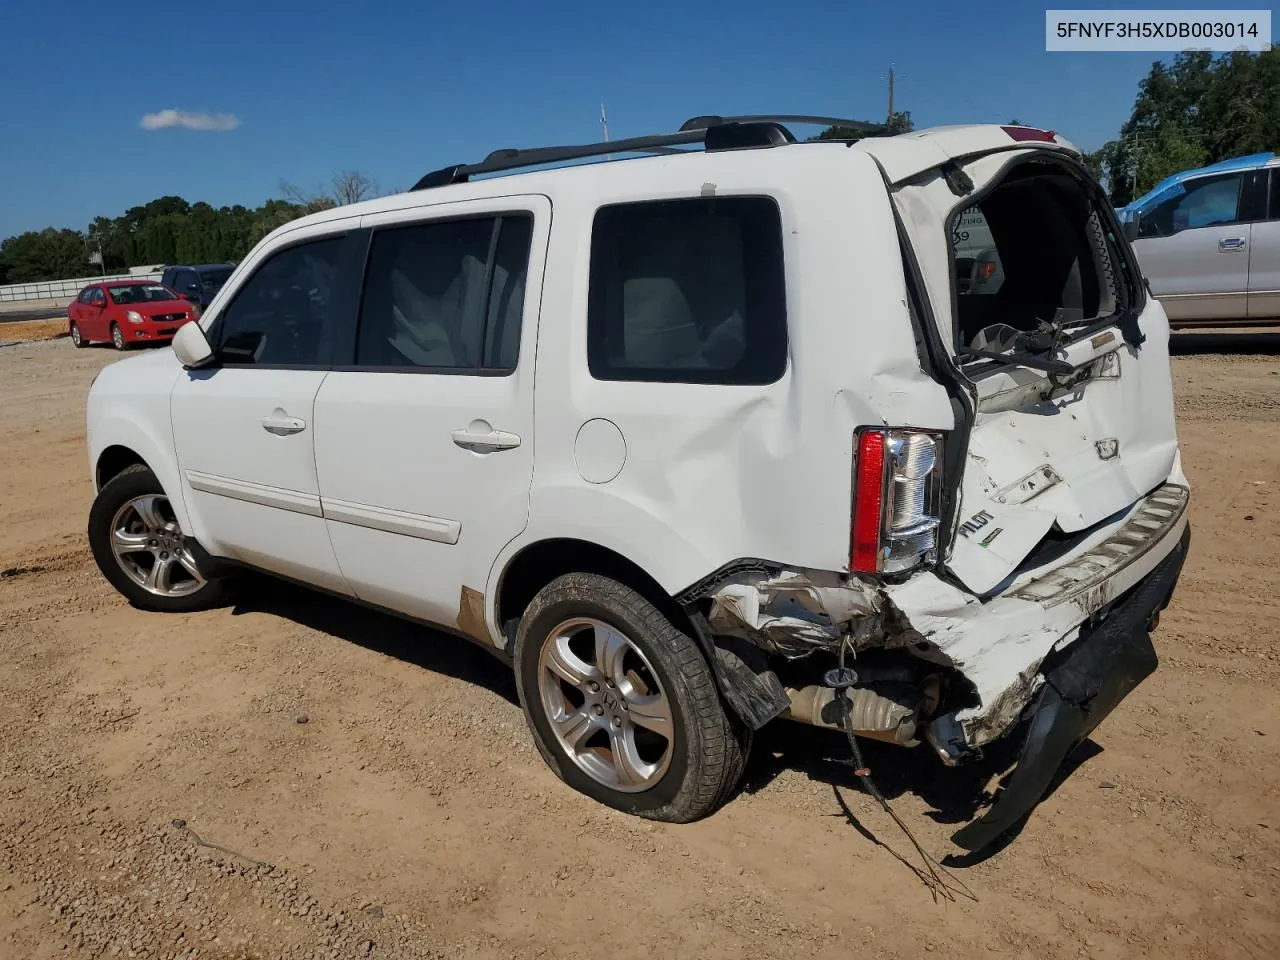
<point>895,500</point>
<point>1029,133</point>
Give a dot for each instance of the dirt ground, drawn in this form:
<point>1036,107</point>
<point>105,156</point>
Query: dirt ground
<point>21,330</point>
<point>376,793</point>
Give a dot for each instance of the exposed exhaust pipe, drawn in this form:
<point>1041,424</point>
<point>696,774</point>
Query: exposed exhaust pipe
<point>873,715</point>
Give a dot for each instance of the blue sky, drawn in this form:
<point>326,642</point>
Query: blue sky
<point>395,89</point>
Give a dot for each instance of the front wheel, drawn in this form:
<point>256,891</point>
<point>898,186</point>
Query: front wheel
<point>622,704</point>
<point>117,337</point>
<point>77,337</point>
<point>141,550</point>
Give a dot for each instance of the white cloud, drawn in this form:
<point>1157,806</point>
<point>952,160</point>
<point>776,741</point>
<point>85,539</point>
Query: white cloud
<point>164,119</point>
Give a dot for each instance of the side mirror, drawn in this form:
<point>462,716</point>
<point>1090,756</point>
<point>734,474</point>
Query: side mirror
<point>1130,228</point>
<point>191,346</point>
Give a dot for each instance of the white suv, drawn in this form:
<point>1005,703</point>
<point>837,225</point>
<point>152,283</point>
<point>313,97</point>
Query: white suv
<point>677,435</point>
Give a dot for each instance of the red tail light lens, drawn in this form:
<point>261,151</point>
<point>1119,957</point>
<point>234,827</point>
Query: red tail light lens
<point>897,482</point>
<point>868,503</point>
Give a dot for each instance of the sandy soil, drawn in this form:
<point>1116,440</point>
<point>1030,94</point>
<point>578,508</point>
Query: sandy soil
<point>21,330</point>
<point>410,816</point>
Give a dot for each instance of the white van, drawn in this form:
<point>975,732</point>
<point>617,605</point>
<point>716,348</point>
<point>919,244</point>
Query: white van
<point>676,435</point>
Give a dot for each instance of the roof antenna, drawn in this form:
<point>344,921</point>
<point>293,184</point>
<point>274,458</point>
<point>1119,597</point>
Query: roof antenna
<point>604,122</point>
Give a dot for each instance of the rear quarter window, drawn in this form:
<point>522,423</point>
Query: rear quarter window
<point>688,291</point>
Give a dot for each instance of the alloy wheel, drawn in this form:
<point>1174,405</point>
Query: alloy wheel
<point>149,547</point>
<point>605,705</point>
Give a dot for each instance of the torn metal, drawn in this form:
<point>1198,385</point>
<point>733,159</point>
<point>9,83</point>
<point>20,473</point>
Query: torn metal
<point>794,613</point>
<point>994,648</point>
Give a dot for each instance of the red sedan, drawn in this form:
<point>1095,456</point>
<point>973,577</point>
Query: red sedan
<point>125,312</point>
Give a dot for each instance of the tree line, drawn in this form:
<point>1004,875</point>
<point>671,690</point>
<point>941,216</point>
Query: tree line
<point>167,230</point>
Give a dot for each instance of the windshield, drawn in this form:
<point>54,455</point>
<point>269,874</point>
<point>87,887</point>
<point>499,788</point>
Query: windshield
<point>141,293</point>
<point>214,279</point>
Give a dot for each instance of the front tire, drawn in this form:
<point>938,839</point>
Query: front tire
<point>622,704</point>
<point>77,338</point>
<point>142,551</point>
<point>117,337</point>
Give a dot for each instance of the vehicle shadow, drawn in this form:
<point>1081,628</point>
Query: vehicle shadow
<point>1191,343</point>
<point>413,643</point>
<point>955,795</point>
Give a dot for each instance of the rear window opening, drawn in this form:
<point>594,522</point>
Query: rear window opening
<point>1034,253</point>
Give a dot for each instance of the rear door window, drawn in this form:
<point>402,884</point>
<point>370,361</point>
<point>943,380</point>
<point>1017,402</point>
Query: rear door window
<point>688,291</point>
<point>446,296</point>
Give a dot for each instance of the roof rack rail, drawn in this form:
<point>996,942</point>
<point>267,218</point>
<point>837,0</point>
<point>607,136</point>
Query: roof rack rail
<point>714,133</point>
<point>863,126</point>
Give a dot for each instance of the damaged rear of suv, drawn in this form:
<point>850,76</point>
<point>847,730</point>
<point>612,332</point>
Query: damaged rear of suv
<point>875,436</point>
<point>1003,574</point>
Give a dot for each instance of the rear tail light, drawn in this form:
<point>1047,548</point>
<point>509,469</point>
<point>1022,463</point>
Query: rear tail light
<point>895,501</point>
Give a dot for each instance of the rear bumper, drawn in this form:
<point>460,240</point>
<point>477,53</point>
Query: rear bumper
<point>1082,684</point>
<point>1001,645</point>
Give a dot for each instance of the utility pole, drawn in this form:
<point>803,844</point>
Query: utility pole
<point>889,117</point>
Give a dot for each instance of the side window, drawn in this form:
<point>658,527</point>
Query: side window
<point>977,261</point>
<point>1273,208</point>
<point>688,291</point>
<point>447,295</point>
<point>187,282</point>
<point>282,315</point>
<point>85,295</point>
<point>1210,202</point>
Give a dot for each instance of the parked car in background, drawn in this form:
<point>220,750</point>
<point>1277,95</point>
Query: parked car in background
<point>124,312</point>
<point>1208,241</point>
<point>197,283</point>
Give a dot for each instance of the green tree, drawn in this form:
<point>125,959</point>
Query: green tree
<point>1195,110</point>
<point>47,254</point>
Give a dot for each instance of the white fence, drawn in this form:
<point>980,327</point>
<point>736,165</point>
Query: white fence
<point>68,289</point>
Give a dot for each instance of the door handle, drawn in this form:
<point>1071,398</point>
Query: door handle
<point>282,425</point>
<point>1231,243</point>
<point>482,438</point>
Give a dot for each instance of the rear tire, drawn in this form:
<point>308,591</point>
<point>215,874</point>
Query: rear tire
<point>117,337</point>
<point>141,550</point>
<point>601,673</point>
<point>77,338</point>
